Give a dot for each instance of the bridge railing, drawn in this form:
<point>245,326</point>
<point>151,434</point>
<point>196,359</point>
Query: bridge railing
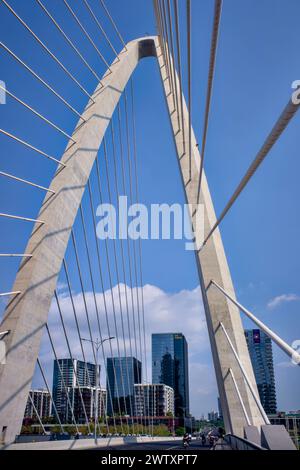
<point>292,425</point>
<point>238,443</point>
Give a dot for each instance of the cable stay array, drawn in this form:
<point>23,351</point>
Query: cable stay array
<point>97,319</point>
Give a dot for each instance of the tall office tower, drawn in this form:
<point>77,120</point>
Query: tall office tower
<point>39,401</point>
<point>68,373</point>
<point>260,349</point>
<point>170,367</point>
<point>122,374</point>
<point>154,400</point>
<point>220,409</point>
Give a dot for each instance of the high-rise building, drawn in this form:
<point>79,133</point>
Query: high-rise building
<point>154,400</point>
<point>68,373</point>
<point>213,416</point>
<point>260,350</point>
<point>170,367</point>
<point>39,400</point>
<point>83,404</point>
<point>122,374</point>
<point>220,409</point>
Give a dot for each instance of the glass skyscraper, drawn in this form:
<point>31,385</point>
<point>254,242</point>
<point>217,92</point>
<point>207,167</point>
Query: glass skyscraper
<point>121,384</point>
<point>86,376</point>
<point>260,350</point>
<point>170,367</point>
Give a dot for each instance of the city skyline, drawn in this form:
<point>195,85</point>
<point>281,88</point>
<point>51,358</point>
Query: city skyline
<point>204,410</point>
<point>141,394</point>
<point>123,374</point>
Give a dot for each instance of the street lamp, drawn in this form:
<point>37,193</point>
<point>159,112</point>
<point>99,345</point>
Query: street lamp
<point>97,344</point>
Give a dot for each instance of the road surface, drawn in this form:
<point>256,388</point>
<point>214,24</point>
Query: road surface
<point>163,445</point>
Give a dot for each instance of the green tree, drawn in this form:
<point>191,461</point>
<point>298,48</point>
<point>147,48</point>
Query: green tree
<point>179,431</point>
<point>26,430</point>
<point>161,430</point>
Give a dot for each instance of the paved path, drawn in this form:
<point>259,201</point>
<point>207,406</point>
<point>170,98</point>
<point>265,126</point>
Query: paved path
<point>160,445</point>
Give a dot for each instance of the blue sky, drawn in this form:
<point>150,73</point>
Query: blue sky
<point>257,61</point>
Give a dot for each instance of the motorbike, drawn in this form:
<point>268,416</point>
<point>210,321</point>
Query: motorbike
<point>186,440</point>
<point>186,443</point>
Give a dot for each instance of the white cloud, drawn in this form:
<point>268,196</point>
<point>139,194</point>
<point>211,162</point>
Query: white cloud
<point>61,286</point>
<point>281,299</point>
<point>164,312</point>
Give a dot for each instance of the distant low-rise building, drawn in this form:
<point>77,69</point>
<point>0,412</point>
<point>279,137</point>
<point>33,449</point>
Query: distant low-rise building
<point>153,400</point>
<point>39,400</point>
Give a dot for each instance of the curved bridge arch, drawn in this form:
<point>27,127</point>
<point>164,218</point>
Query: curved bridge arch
<point>26,314</point>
